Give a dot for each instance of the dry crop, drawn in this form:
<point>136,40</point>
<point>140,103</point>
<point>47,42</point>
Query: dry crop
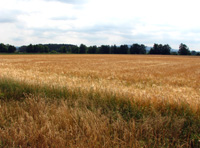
<point>148,101</point>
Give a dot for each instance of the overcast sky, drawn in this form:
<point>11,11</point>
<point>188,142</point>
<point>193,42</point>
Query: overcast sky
<point>97,22</point>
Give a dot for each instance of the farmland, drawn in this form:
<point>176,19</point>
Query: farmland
<point>99,101</point>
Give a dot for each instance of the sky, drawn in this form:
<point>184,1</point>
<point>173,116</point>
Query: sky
<point>98,22</point>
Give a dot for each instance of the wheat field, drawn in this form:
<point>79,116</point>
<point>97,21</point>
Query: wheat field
<point>150,81</point>
<point>147,77</point>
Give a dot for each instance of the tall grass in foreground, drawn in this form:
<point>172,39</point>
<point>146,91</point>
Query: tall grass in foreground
<point>42,116</point>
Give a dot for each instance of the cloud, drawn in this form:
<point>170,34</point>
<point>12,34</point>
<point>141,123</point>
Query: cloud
<point>8,16</point>
<point>63,18</point>
<point>70,1</point>
<point>7,20</point>
<point>100,22</point>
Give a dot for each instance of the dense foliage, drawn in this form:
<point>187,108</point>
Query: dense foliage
<point>83,49</point>
<point>103,49</point>
<point>183,49</point>
<point>160,49</point>
<point>7,48</point>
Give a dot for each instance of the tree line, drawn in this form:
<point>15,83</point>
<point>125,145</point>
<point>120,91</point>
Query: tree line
<point>103,49</point>
<point>83,49</point>
<point>7,48</point>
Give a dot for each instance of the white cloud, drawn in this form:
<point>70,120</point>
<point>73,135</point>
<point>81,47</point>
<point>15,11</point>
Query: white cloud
<point>77,2</point>
<point>100,22</point>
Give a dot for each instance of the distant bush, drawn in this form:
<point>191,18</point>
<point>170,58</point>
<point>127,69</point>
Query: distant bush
<point>53,52</point>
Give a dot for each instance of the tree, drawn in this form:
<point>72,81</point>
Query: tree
<point>83,48</point>
<point>160,49</point>
<point>63,49</point>
<point>114,49</point>
<point>92,49</point>
<point>53,52</point>
<point>137,49</point>
<point>193,52</point>
<point>11,49</point>
<point>69,48</point>
<point>3,48</point>
<point>183,50</point>
<point>30,49</point>
<point>142,49</point>
<point>123,49</point>
<point>155,49</point>
<point>38,48</point>
<point>134,48</point>
<point>166,49</point>
<point>46,49</point>
<point>74,49</point>
<point>104,49</point>
<point>22,49</point>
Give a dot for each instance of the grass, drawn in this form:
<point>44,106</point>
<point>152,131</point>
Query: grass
<point>128,123</point>
<point>99,101</point>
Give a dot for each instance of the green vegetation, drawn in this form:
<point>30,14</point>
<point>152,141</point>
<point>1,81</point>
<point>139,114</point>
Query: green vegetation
<point>183,49</point>
<point>157,49</point>
<point>7,48</point>
<point>160,49</point>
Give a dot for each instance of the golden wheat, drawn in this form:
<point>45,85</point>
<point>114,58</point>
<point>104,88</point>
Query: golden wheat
<point>36,123</point>
<point>172,78</point>
<point>151,81</point>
